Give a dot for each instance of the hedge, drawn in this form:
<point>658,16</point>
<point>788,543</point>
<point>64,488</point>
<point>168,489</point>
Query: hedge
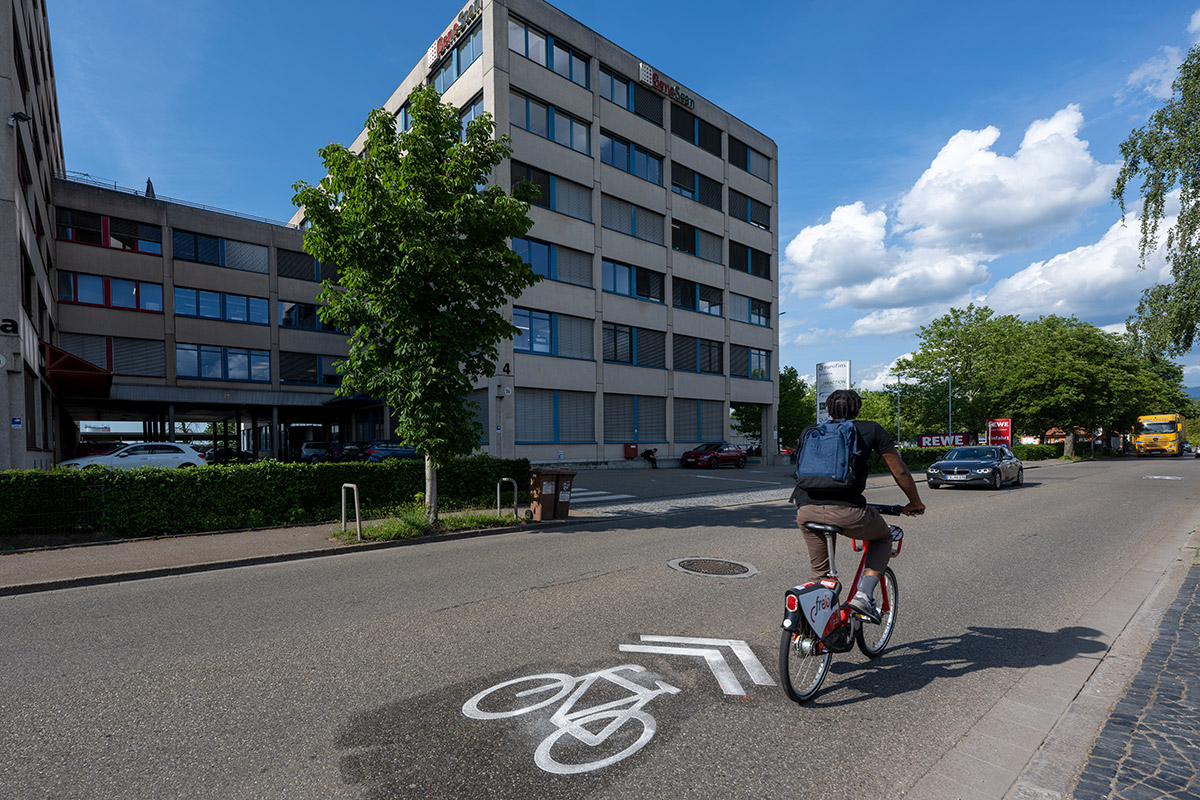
<point>148,502</point>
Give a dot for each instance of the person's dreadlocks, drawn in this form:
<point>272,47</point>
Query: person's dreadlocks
<point>843,404</point>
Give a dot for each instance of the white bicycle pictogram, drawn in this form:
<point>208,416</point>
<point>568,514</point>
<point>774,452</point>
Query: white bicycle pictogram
<point>502,701</point>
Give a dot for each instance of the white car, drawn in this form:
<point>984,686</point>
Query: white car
<point>170,455</point>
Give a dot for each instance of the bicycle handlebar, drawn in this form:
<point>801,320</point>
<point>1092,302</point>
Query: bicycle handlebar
<point>888,511</point>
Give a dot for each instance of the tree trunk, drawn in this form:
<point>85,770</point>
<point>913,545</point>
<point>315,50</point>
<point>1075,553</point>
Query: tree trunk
<point>431,497</point>
<point>1069,443</point>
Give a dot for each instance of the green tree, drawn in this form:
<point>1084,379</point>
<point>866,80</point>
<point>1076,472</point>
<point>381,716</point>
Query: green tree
<point>425,270</point>
<point>1165,153</point>
<point>962,363</point>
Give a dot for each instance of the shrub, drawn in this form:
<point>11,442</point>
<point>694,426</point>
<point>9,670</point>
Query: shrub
<point>146,502</point>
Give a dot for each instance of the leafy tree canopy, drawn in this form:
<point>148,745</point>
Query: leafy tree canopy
<point>424,268</point>
<point>1165,154</point>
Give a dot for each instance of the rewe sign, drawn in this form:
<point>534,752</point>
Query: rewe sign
<point>999,431</point>
<point>945,439</point>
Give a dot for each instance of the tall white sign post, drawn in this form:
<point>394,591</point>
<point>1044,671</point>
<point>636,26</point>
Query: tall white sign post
<point>831,376</point>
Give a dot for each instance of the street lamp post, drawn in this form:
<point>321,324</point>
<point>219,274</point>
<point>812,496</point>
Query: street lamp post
<point>950,404</point>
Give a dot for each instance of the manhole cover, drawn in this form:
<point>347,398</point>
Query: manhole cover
<point>714,567</point>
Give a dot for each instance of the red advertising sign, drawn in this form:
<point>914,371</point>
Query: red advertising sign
<point>945,439</point>
<point>999,431</point>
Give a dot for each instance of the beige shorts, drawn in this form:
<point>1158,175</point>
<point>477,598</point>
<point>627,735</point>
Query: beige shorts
<point>856,523</point>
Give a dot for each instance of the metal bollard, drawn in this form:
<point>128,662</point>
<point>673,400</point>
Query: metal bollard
<point>357,515</point>
<point>498,484</point>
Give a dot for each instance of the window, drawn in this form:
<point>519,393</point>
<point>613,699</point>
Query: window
<point>548,51</point>
<point>631,96</point>
<point>305,368</point>
<point>218,305</point>
<point>746,157</point>
<point>403,119</point>
<point>696,296</point>
<point>103,231</point>
<point>557,194</point>
<point>555,262</point>
<point>552,334</point>
<point>704,135</point>
<point>469,48</point>
<point>746,259</point>
<point>219,252</point>
<point>750,210</point>
<point>751,310</point>
<point>550,123</point>
<point>554,417</point>
<point>693,185</point>
<point>634,418</point>
<point>292,264</point>
<point>639,282</point>
<point>760,364</point>
<point>700,243</point>
<point>209,362</point>
<point>94,290</point>
<point>697,355</point>
<point>641,347</point>
<point>748,362</point>
<point>631,158</point>
<point>302,316</point>
<point>472,110</point>
<point>625,217</point>
<point>699,420</point>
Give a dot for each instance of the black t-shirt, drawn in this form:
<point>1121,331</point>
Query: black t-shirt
<point>872,438</point>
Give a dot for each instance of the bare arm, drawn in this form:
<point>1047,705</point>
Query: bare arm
<point>904,480</point>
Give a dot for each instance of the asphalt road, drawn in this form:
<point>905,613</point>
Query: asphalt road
<point>347,676</point>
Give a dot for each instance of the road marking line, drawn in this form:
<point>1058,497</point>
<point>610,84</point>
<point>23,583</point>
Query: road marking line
<point>716,662</point>
<point>578,500</point>
<point>737,480</point>
<point>750,662</point>
<point>708,650</point>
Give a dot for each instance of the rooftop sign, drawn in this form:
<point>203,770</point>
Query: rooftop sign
<point>672,90</point>
<point>471,12</point>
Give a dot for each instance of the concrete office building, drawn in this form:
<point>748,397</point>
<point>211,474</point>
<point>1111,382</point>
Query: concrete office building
<point>656,233</point>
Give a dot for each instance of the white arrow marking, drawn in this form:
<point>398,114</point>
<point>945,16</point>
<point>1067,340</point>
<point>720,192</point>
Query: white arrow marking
<point>707,649</point>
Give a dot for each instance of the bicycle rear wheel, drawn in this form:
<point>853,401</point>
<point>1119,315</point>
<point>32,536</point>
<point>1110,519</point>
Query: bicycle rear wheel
<point>873,638</point>
<point>803,664</point>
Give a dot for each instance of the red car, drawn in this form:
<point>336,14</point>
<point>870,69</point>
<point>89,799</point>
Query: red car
<point>713,455</point>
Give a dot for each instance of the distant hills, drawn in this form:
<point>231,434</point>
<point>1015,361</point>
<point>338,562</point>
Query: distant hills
<point>1193,392</point>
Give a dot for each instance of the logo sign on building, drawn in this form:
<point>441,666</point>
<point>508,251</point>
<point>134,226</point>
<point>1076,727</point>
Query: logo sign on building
<point>648,76</point>
<point>946,439</point>
<point>999,432</point>
<point>471,12</point>
<point>831,376</point>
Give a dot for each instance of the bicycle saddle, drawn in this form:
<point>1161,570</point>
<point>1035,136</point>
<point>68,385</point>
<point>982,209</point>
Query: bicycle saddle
<point>821,527</point>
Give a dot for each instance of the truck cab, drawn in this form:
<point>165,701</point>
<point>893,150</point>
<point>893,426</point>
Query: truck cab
<point>1159,433</point>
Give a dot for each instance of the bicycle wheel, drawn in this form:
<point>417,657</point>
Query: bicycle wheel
<point>803,664</point>
<point>873,638</point>
<point>509,699</point>
<point>546,760</point>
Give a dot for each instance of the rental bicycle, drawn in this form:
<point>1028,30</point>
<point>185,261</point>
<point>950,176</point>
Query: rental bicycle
<point>817,624</point>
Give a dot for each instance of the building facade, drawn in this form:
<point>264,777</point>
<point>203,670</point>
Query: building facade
<point>656,234</point>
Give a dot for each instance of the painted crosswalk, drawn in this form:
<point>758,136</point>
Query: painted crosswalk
<point>581,495</point>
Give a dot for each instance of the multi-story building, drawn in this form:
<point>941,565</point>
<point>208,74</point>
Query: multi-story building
<point>656,236</point>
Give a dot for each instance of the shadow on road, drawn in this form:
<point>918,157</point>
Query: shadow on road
<point>911,666</point>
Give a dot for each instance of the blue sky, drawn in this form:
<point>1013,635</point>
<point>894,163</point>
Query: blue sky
<point>928,157</point>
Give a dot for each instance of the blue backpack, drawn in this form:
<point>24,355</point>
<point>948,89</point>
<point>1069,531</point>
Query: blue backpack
<point>826,458</point>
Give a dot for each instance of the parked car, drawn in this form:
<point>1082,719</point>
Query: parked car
<point>346,451</point>
<point>170,455</point>
<point>226,455</point>
<point>312,452</point>
<point>714,455</point>
<point>86,449</point>
<point>380,451</point>
<point>979,466</point>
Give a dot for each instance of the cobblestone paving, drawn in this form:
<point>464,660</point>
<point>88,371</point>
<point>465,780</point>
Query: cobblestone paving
<point>1150,747</point>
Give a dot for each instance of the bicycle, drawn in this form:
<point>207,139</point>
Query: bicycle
<point>572,723</point>
<point>816,624</point>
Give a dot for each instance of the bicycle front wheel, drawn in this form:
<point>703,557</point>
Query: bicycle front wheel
<point>873,638</point>
<point>803,664</point>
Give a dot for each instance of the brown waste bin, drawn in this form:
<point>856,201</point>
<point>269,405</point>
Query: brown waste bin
<point>562,503</point>
<point>543,489</point>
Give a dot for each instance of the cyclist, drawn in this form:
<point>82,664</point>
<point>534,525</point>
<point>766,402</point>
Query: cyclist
<point>848,508</point>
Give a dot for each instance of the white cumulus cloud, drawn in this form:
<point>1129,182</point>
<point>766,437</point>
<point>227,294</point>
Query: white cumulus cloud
<point>1154,76</point>
<point>973,199</point>
<point>848,249</point>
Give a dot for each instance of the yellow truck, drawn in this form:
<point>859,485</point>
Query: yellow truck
<point>1159,433</point>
